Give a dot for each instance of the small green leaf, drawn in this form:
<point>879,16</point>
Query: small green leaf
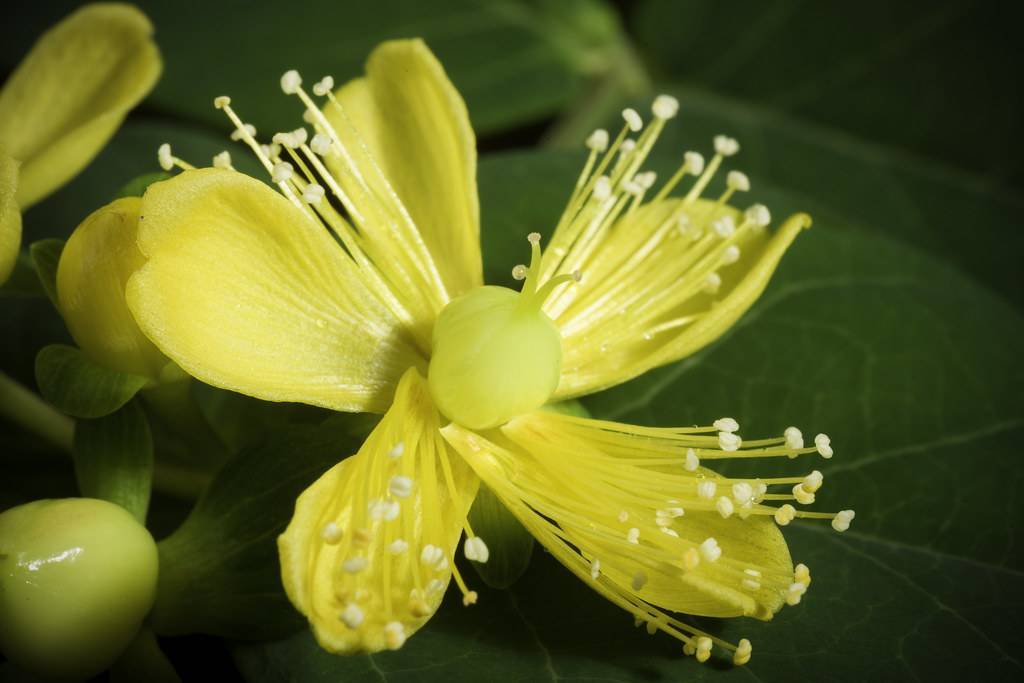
<point>136,187</point>
<point>46,255</point>
<point>79,387</point>
<point>114,458</point>
<point>219,572</point>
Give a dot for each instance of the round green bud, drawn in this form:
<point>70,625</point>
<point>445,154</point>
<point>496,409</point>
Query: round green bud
<point>495,355</point>
<point>94,268</point>
<point>77,577</point>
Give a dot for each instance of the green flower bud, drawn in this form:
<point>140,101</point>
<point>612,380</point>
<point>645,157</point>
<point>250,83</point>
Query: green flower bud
<point>77,577</point>
<point>94,268</point>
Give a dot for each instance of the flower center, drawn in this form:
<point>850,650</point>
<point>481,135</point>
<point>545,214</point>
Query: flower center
<point>496,354</point>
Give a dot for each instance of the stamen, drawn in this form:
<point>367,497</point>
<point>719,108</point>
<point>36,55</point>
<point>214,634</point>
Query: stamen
<point>743,652</point>
<point>400,486</point>
<point>842,520</point>
<point>665,107</point>
<point>223,160</point>
<point>476,550</point>
<point>726,424</point>
<point>290,82</point>
<point>598,140</point>
<point>352,616</point>
<point>823,444</point>
<point>331,533</point>
<point>632,119</point>
<point>324,86</point>
<point>168,161</point>
<point>726,146</point>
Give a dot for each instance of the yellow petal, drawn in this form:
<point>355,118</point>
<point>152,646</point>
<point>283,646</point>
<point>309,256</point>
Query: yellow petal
<point>245,292</point>
<point>371,546</point>
<point>645,300</point>
<point>414,123</point>
<point>72,91</point>
<point>616,505</point>
<point>10,215</point>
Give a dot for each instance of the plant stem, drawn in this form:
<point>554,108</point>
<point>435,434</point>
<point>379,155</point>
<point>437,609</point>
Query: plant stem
<point>26,408</point>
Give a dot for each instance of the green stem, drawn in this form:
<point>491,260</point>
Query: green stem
<point>26,408</point>
<point>143,661</point>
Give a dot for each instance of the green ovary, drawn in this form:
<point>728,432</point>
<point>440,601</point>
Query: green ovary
<point>496,355</point>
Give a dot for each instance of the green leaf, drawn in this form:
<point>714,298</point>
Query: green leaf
<point>79,387</point>
<point>45,256</point>
<point>896,354</point>
<point>510,544</point>
<point>219,572</point>
<point>114,458</point>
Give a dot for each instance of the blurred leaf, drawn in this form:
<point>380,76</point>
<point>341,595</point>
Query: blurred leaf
<point>934,78</point>
<point>510,544</point>
<point>45,255</point>
<point>136,187</point>
<point>219,572</point>
<point>903,361</point>
<point>114,459</point>
<point>77,386</point>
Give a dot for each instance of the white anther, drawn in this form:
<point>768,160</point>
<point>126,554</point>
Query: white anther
<point>802,495</point>
<point>397,450</point>
<point>400,486</point>
<point>712,283</point>
<point>728,441</point>
<point>331,533</point>
<point>431,555</point>
<point>669,532</point>
<point>627,146</point>
<point>164,157</point>
<point>299,136</point>
<point>351,616</point>
<point>691,559</point>
<point>706,489</point>
<point>743,652</point>
<point>694,162</point>
<point>398,546</point>
<point>221,101</point>
<point>323,86</point>
<point>842,520</point>
<point>795,591</point>
<point>672,512</point>
<point>309,116</point>
<point>665,106</point>
<point>290,82</point>
<point>313,193</point>
<point>577,275</point>
<point>632,119</point>
<point>394,634</point>
<point>386,510</point>
<point>602,188</point>
<point>824,445</point>
<point>760,488</point>
<point>730,255</point>
<point>434,585</point>
<point>533,238</point>
<point>742,493</point>
<point>737,180</point>
<point>623,516</point>
<point>703,649</point>
<point>785,514</point>
<point>519,272</point>
<point>751,584</point>
<point>812,482</point>
<point>354,565</point>
<point>246,129</point>
<point>689,649</point>
<point>320,144</point>
<point>758,215</point>
<point>662,521</point>
<point>794,438</point>
<point>595,569</point>
<point>222,160</point>
<point>802,574</point>
<point>476,550</point>
<point>726,424</point>
<point>646,180</point>
<point>598,140</point>
<point>709,550</point>
<point>632,187</point>
<point>692,461</point>
<point>752,573</point>
<point>724,227</point>
<point>633,535</point>
<point>282,172</point>
<point>726,146</point>
<point>724,507</point>
<point>639,580</point>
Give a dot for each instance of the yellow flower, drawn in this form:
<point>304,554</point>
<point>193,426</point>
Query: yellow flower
<point>64,101</point>
<point>362,276</point>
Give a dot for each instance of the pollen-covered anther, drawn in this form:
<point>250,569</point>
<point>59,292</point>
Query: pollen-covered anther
<point>802,574</point>
<point>693,162</point>
<point>394,635</point>
<point>221,101</point>
<point>742,493</point>
<point>639,580</point>
<point>824,445</point>
<point>354,565</point>
<point>432,556</point>
<point>632,119</point>
<point>164,157</point>
<point>709,550</point>
<point>737,180</point>
<point>842,520</point>
<point>476,550</point>
<point>706,489</point>
<point>313,194</point>
<point>785,514</point>
<point>813,481</point>
<point>665,107</point>
<point>323,86</point>
<point>602,188</point>
<point>623,516</point>
<point>283,172</point>
<point>802,495</point>
<point>692,462</point>
<point>728,441</point>
<point>627,146</point>
<point>758,215</point>
<point>794,439</point>
<point>246,130</point>
<point>397,450</point>
<point>646,179</point>
<point>726,146</point>
<point>724,507</point>
<point>794,593</point>
<point>469,598</point>
<point>291,81</point>
<point>633,535</point>
<point>691,559</point>
<point>331,533</point>
<point>398,546</point>
<point>385,510</point>
<point>222,160</point>
<point>598,140</point>
<point>703,649</point>
<point>712,283</point>
<point>595,569</point>
<point>726,424</point>
<point>752,580</point>
<point>730,255</point>
<point>519,272</point>
<point>320,144</point>
<point>400,486</point>
<point>743,652</point>
<point>352,616</point>
<point>724,227</point>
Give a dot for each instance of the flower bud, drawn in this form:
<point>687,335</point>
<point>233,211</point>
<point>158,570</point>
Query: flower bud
<point>94,268</point>
<point>77,577</point>
<point>496,355</point>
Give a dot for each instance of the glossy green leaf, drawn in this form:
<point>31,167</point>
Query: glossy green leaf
<point>79,387</point>
<point>219,572</point>
<point>114,458</point>
<point>896,354</point>
<point>45,255</point>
